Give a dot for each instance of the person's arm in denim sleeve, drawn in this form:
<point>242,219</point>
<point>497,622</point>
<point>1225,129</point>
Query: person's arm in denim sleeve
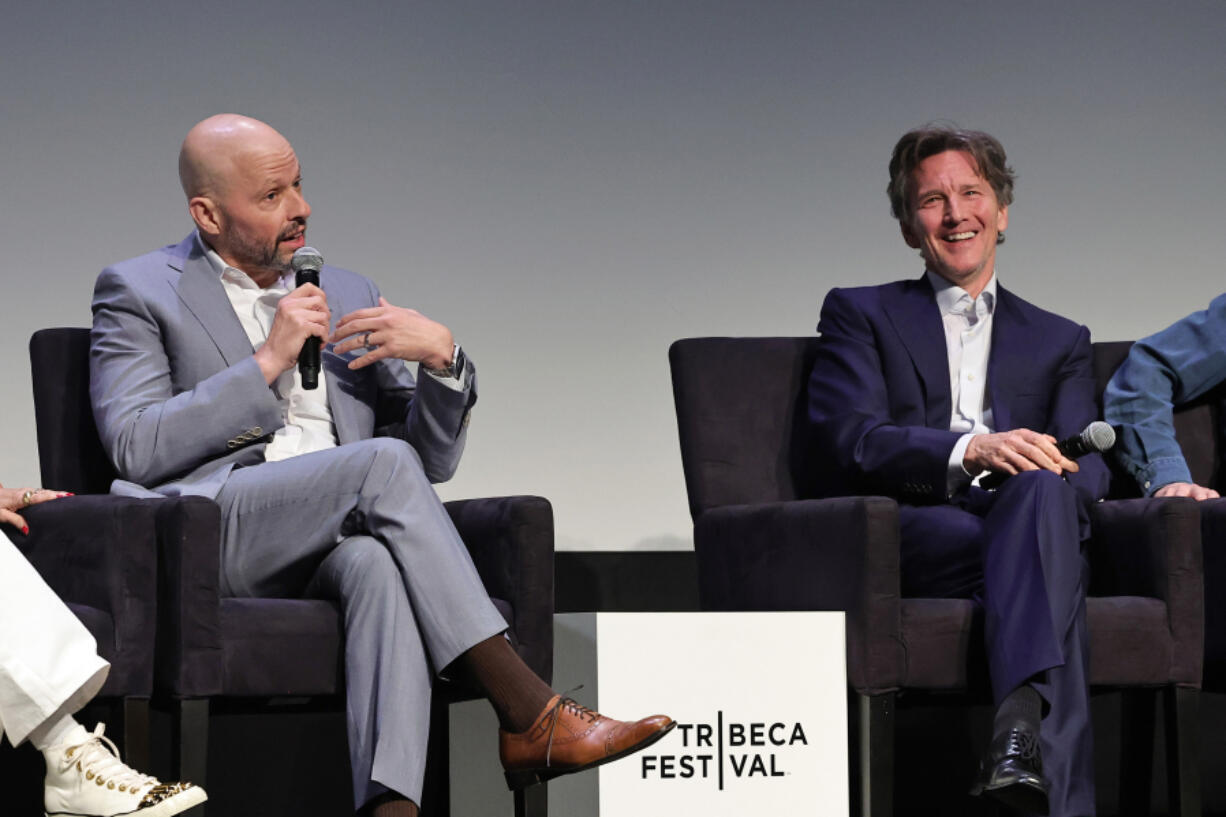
<point>1164,370</point>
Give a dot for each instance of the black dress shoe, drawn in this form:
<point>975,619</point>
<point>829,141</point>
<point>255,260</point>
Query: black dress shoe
<point>1012,772</point>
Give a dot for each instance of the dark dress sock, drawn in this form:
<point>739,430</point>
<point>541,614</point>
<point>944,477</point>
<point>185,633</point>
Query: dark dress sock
<point>1024,705</point>
<point>516,693</point>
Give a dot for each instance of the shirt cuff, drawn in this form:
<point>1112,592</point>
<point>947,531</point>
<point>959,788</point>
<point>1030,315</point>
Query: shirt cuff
<point>1162,471</point>
<point>454,383</point>
<point>956,475</point>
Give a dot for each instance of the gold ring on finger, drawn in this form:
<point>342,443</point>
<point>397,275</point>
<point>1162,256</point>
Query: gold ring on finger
<point>26,498</point>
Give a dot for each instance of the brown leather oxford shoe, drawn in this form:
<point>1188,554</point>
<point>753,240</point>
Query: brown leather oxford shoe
<point>568,737</point>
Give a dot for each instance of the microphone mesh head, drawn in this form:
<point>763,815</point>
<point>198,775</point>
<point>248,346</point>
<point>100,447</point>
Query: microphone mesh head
<point>1099,436</point>
<point>306,259</point>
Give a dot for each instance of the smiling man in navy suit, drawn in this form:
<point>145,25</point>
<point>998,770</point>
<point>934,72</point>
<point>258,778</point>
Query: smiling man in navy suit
<point>920,388</point>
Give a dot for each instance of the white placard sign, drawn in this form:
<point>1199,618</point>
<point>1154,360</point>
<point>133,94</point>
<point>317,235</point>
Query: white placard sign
<point>760,700</point>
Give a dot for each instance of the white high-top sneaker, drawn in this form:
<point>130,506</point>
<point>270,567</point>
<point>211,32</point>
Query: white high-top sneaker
<point>86,777</point>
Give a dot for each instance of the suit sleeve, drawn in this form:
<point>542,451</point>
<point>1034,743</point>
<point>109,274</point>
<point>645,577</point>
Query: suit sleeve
<point>851,418</point>
<point>424,413</point>
<point>1174,366</point>
<point>152,433</point>
<point>1073,407</point>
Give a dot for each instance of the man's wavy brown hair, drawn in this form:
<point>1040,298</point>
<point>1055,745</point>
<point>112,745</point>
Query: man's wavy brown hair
<point>917,145</point>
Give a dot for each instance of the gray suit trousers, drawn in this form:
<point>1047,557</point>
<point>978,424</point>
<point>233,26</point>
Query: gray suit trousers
<point>361,524</point>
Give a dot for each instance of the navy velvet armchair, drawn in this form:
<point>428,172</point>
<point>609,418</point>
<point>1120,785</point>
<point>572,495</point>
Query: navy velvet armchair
<point>763,544</point>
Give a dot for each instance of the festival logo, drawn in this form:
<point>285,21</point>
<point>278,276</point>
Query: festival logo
<point>723,750</point>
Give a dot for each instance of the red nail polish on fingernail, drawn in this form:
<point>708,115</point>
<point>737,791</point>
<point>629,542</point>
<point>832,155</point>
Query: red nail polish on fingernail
<point>25,529</point>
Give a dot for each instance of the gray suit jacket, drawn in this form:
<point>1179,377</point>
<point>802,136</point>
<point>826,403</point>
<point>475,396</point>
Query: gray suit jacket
<point>179,400</point>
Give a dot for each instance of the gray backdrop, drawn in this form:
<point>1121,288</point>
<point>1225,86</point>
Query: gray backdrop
<point>571,186</point>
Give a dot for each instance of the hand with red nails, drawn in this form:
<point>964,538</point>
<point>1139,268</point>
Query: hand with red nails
<point>14,499</point>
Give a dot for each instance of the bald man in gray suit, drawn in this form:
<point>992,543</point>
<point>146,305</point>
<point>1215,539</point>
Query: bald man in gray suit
<point>195,391</point>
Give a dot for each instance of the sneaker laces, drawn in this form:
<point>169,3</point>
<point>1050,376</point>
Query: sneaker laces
<point>98,758</point>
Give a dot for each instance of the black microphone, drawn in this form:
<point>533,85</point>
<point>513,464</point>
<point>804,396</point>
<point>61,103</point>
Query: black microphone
<point>1096,438</point>
<point>305,264</point>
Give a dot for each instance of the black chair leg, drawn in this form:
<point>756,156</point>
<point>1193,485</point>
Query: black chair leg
<point>191,743</point>
<point>532,801</point>
<point>1137,713</point>
<point>874,753</point>
<point>1182,707</point>
<point>136,741</point>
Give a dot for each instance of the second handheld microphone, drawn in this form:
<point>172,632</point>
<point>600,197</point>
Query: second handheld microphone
<point>1096,438</point>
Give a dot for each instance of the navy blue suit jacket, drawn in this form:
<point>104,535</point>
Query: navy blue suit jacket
<point>879,398</point>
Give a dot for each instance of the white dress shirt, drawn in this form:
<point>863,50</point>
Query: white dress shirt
<point>968,344</point>
<point>308,418</point>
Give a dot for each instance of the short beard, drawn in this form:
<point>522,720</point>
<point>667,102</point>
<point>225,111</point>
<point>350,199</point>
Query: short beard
<point>259,256</point>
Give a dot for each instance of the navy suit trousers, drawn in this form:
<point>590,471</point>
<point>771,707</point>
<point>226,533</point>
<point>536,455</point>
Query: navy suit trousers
<point>1017,552</point>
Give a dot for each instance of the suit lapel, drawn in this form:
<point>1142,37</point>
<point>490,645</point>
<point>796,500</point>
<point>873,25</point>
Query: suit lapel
<point>1008,363</point>
<point>914,313</point>
<point>336,368</point>
<point>201,291</point>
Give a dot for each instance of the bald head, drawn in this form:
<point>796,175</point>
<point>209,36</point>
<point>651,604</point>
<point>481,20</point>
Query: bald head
<point>244,192</point>
<point>214,149</point>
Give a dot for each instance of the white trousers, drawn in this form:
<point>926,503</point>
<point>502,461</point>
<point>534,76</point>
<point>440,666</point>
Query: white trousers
<point>49,663</point>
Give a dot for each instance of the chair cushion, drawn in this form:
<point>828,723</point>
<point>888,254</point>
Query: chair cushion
<point>305,635</point>
<point>941,638</point>
<point>943,643</point>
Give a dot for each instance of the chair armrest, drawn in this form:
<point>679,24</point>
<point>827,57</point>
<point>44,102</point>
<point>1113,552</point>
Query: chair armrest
<point>511,543</point>
<point>814,554</point>
<point>1213,551</point>
<point>1145,547</point>
<point>99,551</point>
<point>189,654</point>
<point>1152,547</point>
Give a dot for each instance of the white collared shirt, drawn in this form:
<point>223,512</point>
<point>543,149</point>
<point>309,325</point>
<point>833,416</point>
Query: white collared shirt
<point>307,417</point>
<point>968,344</point>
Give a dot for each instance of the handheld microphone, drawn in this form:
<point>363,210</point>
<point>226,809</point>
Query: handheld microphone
<point>1096,438</point>
<point>305,264</point>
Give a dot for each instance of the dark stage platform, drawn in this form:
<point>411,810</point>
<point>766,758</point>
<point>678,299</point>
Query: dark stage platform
<point>293,761</point>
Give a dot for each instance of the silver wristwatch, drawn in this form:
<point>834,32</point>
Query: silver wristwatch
<point>455,368</point>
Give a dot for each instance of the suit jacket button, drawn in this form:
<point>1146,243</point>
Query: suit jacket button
<point>231,443</point>
<point>257,431</point>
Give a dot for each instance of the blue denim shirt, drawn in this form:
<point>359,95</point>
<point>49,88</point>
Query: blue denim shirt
<point>1162,371</point>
